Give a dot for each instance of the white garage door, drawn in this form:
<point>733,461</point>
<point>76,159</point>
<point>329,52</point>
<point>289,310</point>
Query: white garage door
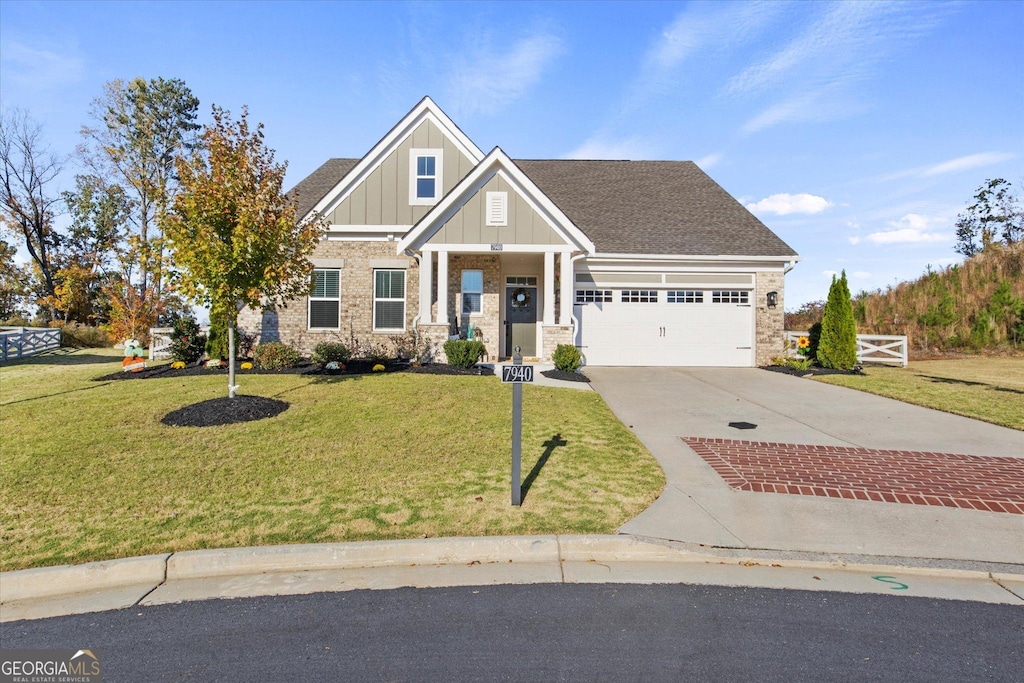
<point>696,327</point>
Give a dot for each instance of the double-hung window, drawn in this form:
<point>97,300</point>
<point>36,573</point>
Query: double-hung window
<point>325,299</point>
<point>472,291</point>
<point>425,176</point>
<point>389,301</point>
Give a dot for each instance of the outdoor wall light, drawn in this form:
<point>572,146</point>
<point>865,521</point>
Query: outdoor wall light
<point>773,299</point>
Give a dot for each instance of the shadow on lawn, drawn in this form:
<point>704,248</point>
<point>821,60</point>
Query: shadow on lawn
<point>549,447</point>
<point>59,393</point>
<point>66,356</point>
<point>969,383</point>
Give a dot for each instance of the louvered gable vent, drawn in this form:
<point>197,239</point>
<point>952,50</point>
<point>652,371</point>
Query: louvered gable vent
<point>497,208</point>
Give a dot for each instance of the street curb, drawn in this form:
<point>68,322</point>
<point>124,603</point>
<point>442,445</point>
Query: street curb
<point>150,572</point>
<point>49,582</point>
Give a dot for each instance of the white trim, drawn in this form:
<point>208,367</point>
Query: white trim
<point>426,280</point>
<point>494,163</point>
<point>425,110</point>
<point>566,295</point>
<point>691,257</point>
<point>368,228</point>
<point>438,177</point>
<point>549,288</point>
<point>442,286</point>
<point>505,248</point>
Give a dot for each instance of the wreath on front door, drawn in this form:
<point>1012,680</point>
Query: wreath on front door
<point>521,298</point>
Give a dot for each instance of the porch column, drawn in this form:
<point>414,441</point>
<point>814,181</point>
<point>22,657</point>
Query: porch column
<point>426,280</point>
<point>549,288</point>
<point>442,287</point>
<point>565,314</point>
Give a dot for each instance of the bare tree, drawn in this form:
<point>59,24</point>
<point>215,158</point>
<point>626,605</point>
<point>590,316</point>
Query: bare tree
<point>28,203</point>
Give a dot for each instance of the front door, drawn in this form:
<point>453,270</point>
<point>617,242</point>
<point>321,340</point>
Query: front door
<point>521,320</point>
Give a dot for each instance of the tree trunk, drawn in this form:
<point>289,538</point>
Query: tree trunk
<point>232,388</point>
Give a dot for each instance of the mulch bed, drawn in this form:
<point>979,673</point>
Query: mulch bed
<point>225,411</point>
<point>354,367</point>
<point>786,370</point>
<point>565,376</point>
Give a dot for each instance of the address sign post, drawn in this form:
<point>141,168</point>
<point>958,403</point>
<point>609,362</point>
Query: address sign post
<point>517,373</point>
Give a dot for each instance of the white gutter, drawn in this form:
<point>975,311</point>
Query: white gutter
<point>689,257</point>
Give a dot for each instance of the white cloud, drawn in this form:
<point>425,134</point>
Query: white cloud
<point>39,70</point>
<point>968,162</point>
<point>784,204</point>
<point>486,79</point>
<point>911,229</point>
<point>963,163</point>
<point>599,148</point>
<point>839,47</point>
<point>709,161</point>
<point>854,240</point>
<point>861,275</point>
<point>830,273</point>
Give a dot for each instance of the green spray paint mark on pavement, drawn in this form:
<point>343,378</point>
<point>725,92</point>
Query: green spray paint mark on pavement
<point>896,585</point>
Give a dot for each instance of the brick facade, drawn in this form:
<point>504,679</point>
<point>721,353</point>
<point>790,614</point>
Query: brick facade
<point>553,335</point>
<point>489,318</point>
<point>290,324</point>
<point>769,322</point>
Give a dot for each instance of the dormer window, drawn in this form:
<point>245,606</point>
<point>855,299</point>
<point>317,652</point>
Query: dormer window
<point>425,176</point>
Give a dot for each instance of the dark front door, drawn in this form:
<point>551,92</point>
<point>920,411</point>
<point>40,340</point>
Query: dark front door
<point>521,320</point>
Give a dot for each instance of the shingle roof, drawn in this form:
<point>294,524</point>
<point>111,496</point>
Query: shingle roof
<point>652,207</point>
<point>313,187</point>
<point>625,207</point>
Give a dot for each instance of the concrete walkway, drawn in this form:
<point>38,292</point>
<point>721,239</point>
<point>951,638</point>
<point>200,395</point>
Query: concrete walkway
<point>661,405</point>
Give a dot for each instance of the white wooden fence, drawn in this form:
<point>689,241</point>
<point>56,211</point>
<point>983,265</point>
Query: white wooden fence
<point>160,341</point>
<point>18,342</point>
<point>871,348</point>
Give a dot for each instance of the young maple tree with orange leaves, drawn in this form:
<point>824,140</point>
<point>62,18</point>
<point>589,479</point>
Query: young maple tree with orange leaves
<point>233,232</point>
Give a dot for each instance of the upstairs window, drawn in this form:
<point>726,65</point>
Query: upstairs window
<point>325,299</point>
<point>425,179</point>
<point>389,301</point>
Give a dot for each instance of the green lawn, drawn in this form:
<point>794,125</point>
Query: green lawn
<point>989,389</point>
<point>88,471</point>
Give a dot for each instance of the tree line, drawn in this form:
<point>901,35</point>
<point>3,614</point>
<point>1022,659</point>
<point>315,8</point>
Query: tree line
<point>163,212</point>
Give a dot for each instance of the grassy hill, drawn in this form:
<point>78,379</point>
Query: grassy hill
<point>974,306</point>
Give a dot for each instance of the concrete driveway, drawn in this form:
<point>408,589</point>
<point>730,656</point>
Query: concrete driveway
<point>663,405</point>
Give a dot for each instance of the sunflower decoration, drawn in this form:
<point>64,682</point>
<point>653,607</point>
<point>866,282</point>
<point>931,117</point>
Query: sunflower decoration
<point>803,346</point>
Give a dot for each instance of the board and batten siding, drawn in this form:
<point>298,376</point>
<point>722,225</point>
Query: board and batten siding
<point>469,224</point>
<point>383,198</point>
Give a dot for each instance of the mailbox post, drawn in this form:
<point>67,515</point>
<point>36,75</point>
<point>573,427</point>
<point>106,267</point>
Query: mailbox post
<point>517,373</point>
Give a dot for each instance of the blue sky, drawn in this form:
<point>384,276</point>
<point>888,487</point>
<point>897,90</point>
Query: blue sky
<point>857,131</point>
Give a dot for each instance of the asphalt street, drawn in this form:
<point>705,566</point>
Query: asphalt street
<point>548,632</point>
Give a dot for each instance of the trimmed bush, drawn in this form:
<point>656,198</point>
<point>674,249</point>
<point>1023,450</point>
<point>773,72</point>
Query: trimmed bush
<point>567,358</point>
<point>814,337</point>
<point>327,352</point>
<point>463,353</point>
<point>217,341</point>
<point>838,345</point>
<point>187,342</point>
<point>84,337</point>
<point>275,356</point>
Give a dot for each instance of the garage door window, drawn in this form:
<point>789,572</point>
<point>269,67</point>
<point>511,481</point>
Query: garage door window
<point>729,297</point>
<point>685,296</point>
<point>593,296</point>
<point>639,296</point>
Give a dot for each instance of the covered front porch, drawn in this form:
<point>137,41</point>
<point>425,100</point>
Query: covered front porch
<point>519,295</point>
